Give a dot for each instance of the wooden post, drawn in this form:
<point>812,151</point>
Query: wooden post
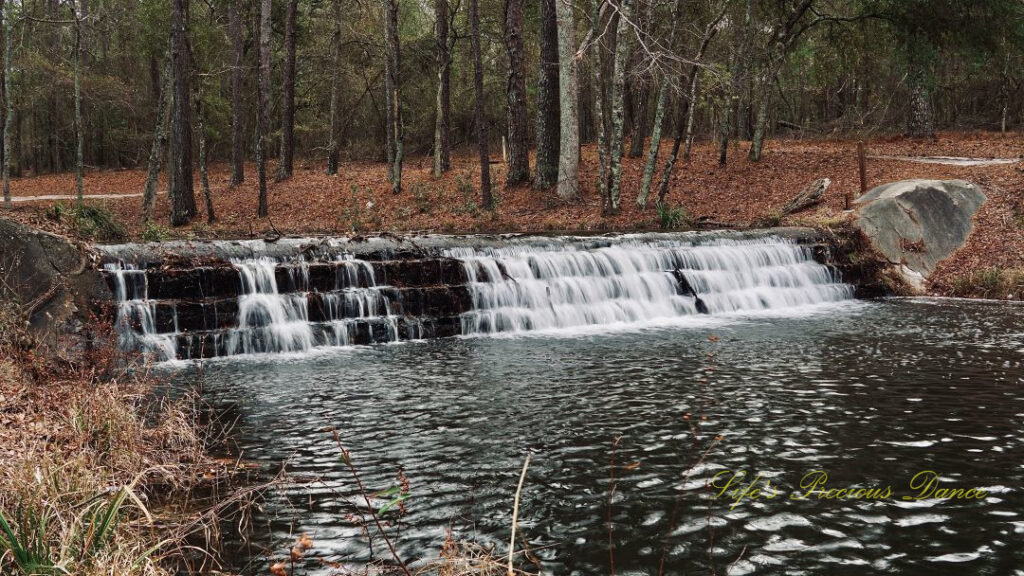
<point>863,172</point>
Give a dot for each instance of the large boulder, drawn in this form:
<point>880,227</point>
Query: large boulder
<point>915,224</point>
<point>52,280</point>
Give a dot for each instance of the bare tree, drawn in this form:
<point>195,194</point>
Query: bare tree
<point>238,52</point>
<point>548,113</point>
<point>79,123</point>
<point>156,150</point>
<point>515,93</point>
<point>642,78</point>
<point>285,168</point>
<point>183,198</point>
<point>392,86</point>
<point>335,138</point>
<point>684,125</point>
<point>204,175</point>
<point>568,88</point>
<point>481,118</point>
<point>596,37</point>
<point>622,49</point>
<point>262,98</point>
<point>920,117</point>
<point>7,16</point>
<point>731,105</point>
<point>445,42</point>
<point>659,113</point>
<point>781,38</point>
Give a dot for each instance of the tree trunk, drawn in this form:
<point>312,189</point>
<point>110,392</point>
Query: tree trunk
<point>547,99</point>
<point>597,72</point>
<point>568,88</point>
<point>761,121</point>
<point>79,126</point>
<point>204,177</point>
<point>238,49</point>
<point>3,92</point>
<point>694,83</point>
<point>920,77</point>
<point>659,116</point>
<point>393,55</point>
<point>8,98</point>
<point>779,44</point>
<point>389,88</point>
<point>183,198</point>
<point>731,106</point>
<point>285,169</point>
<point>156,151</point>
<point>335,138</point>
<point>642,86</point>
<point>641,94</point>
<point>622,48</point>
<point>442,122</point>
<point>688,105</point>
<point>515,93</point>
<point>481,118</point>
<point>262,98</point>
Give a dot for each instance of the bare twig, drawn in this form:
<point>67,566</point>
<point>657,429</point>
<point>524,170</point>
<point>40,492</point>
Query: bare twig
<point>611,496</point>
<point>515,514</point>
<point>366,498</point>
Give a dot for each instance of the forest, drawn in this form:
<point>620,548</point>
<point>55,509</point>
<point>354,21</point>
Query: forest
<point>151,85</point>
<point>511,287</point>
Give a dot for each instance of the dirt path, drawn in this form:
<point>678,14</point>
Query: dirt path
<point>950,160</point>
<point>57,197</point>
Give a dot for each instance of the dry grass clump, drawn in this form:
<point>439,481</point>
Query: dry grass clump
<point>86,459</point>
<point>993,282</point>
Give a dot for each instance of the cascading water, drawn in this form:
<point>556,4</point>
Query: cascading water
<point>263,304</point>
<point>529,288</point>
<point>136,315</point>
<point>265,318</point>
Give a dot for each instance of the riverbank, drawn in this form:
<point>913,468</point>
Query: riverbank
<point>700,193</point>
<point>101,472</point>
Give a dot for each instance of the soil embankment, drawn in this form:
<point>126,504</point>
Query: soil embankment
<point>739,194</point>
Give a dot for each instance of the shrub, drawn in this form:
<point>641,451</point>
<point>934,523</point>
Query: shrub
<point>154,232</point>
<point>90,222</point>
<point>670,218</point>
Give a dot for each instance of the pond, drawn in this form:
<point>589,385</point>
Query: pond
<point>872,394</point>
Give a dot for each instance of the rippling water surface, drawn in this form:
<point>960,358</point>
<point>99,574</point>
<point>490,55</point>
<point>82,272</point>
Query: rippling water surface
<point>869,393</point>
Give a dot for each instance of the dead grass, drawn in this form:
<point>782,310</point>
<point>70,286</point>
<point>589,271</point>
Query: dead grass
<point>78,440</point>
<point>742,193</point>
<point>995,283</point>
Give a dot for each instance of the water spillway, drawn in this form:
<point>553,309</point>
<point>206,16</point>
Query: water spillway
<point>223,299</point>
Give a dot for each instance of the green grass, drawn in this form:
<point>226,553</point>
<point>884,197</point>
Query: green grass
<point>991,282</point>
<point>90,222</point>
<point>671,218</point>
<point>46,540</point>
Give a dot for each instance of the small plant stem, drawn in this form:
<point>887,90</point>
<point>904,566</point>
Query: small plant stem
<point>611,496</point>
<point>373,513</point>
<point>515,512</point>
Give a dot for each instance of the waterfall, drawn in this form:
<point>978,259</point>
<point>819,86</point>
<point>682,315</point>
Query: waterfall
<point>519,288</point>
<point>293,303</point>
<point>264,317</point>
<point>136,315</point>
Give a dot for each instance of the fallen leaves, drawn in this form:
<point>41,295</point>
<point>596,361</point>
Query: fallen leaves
<point>359,200</point>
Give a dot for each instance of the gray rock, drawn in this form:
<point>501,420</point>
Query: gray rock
<point>54,281</point>
<point>916,224</point>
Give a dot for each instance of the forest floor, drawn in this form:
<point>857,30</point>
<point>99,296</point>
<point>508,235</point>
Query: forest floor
<point>741,194</point>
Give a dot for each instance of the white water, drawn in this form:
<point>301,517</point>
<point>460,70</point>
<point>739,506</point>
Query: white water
<point>269,320</point>
<point>136,314</point>
<point>515,288</point>
<point>529,288</point>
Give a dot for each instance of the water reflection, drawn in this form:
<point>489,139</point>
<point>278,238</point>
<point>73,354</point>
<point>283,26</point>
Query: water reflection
<point>869,393</point>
